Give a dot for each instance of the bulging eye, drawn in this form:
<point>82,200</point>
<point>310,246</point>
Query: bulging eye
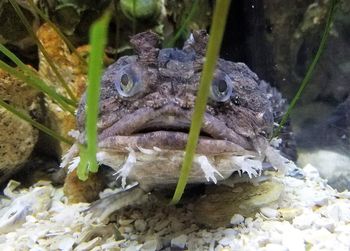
<point>221,88</point>
<point>128,82</point>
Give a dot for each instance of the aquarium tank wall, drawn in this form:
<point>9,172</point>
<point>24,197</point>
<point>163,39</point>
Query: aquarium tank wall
<point>174,125</point>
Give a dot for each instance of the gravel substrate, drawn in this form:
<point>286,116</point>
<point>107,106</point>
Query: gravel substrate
<point>309,215</point>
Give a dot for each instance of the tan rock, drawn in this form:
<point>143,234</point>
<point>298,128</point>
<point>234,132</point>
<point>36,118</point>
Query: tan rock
<point>17,137</point>
<point>221,203</point>
<point>73,73</point>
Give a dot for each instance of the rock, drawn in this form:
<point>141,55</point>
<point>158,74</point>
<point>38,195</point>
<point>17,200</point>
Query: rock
<point>220,203</point>
<point>179,241</point>
<point>65,243</point>
<point>73,73</point>
<point>274,247</point>
<point>237,219</point>
<point>17,137</point>
<point>140,225</point>
<point>289,213</point>
<point>269,212</point>
<point>151,245</point>
<point>331,165</point>
<point>339,211</point>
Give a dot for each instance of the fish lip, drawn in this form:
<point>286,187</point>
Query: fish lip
<point>169,141</point>
<point>158,120</point>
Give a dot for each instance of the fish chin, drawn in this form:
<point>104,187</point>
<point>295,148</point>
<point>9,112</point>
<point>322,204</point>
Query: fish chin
<point>161,168</point>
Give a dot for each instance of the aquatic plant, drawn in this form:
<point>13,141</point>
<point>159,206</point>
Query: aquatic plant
<point>180,31</point>
<point>34,123</point>
<point>31,77</point>
<point>58,31</point>
<point>212,54</point>
<point>98,40</point>
<point>42,50</point>
<point>310,69</point>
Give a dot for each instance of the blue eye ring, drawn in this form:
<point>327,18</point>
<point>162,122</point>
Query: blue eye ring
<point>221,88</point>
<point>128,82</point>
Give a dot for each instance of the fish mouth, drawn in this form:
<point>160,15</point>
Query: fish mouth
<point>168,129</point>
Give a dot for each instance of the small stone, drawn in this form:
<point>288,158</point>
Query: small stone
<point>293,239</point>
<point>64,243</point>
<point>229,232</point>
<point>179,241</point>
<point>140,225</point>
<point>133,248</point>
<point>88,245</point>
<point>161,225</point>
<point>177,226</point>
<point>338,212</point>
<point>311,172</point>
<point>269,212</point>
<point>151,245</point>
<point>325,223</point>
<point>321,200</point>
<point>248,221</point>
<point>226,241</point>
<point>305,220</point>
<point>133,237</point>
<point>125,222</point>
<point>236,219</point>
<point>274,247</point>
<point>219,248</point>
<point>318,236</point>
<point>289,213</point>
<point>125,229</point>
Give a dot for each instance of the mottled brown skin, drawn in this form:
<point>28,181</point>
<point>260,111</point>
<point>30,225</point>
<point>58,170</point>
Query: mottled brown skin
<point>158,111</point>
<point>168,86</point>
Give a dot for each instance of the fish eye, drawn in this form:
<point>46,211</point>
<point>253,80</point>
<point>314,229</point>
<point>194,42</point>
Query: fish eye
<point>221,88</point>
<point>127,82</point>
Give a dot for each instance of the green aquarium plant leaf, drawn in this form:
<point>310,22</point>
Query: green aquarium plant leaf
<point>33,80</point>
<point>311,68</point>
<point>34,123</point>
<point>15,59</point>
<point>58,31</point>
<point>212,54</point>
<point>183,26</point>
<point>98,39</point>
<point>33,74</point>
<point>42,49</point>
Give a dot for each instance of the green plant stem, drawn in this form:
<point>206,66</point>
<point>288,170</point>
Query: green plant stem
<point>183,26</point>
<point>34,123</point>
<point>98,39</point>
<point>311,68</point>
<point>42,49</point>
<point>15,59</point>
<point>216,34</point>
<point>32,80</point>
<point>31,73</point>
<point>62,36</point>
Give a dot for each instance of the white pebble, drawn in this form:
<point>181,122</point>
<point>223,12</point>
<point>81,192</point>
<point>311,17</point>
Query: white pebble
<point>311,171</point>
<point>140,225</point>
<point>293,239</point>
<point>125,222</point>
<point>274,247</point>
<point>179,241</point>
<point>269,212</point>
<point>325,223</point>
<point>305,220</point>
<point>237,219</point>
<point>229,232</point>
<point>226,241</point>
<point>339,211</point>
<point>151,245</point>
